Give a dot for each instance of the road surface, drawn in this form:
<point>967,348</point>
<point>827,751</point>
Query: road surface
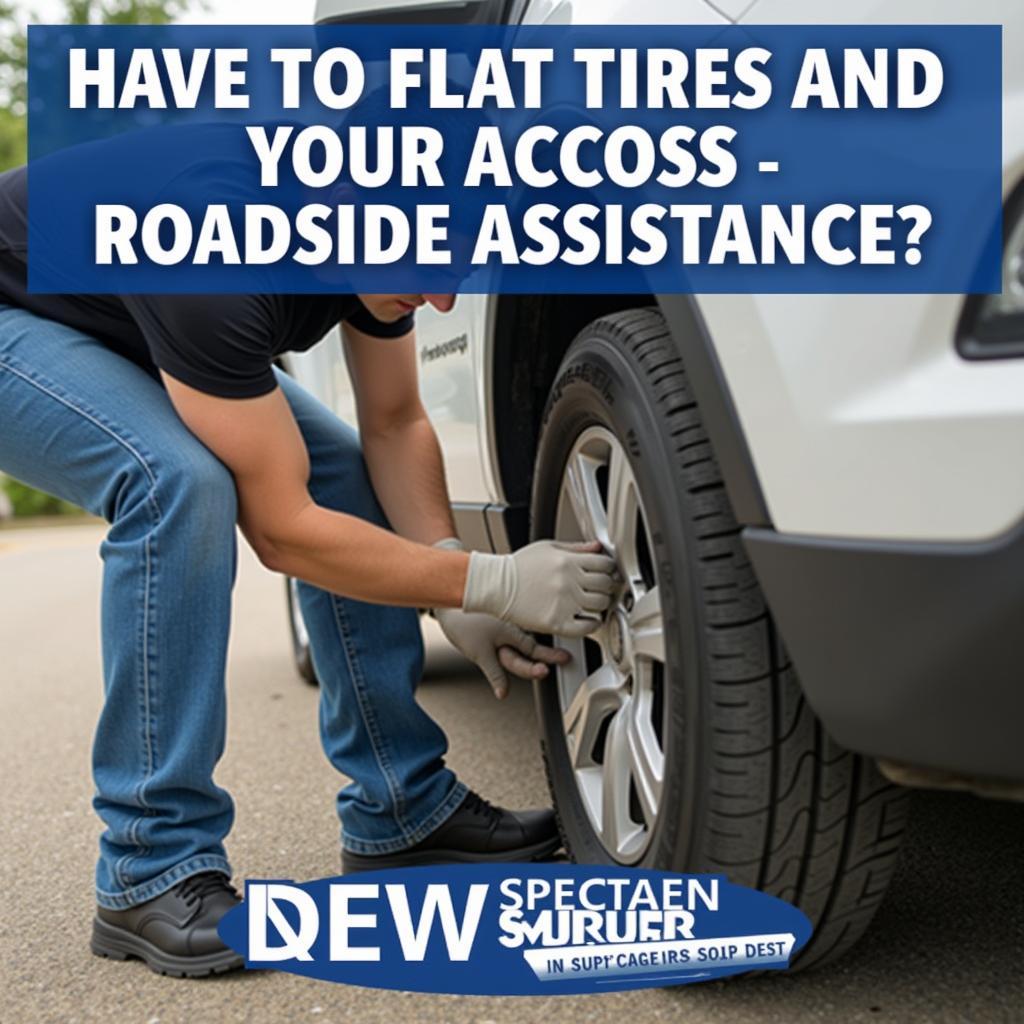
<point>948,945</point>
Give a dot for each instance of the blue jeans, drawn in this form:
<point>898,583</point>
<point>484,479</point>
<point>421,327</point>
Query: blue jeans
<point>88,425</point>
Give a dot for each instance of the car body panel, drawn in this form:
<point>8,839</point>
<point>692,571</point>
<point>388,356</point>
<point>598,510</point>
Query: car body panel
<point>615,12</point>
<point>451,383</point>
<point>733,9</point>
<point>327,10</point>
<point>861,419</point>
<point>886,462</point>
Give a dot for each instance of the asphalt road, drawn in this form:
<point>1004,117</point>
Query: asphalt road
<point>948,945</point>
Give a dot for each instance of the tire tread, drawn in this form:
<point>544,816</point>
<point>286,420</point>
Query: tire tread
<point>802,818</point>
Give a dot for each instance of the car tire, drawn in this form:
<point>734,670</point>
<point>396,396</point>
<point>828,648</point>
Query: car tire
<point>301,651</point>
<point>747,783</point>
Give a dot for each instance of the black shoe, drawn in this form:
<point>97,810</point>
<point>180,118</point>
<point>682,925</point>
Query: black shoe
<point>176,933</point>
<point>475,832</point>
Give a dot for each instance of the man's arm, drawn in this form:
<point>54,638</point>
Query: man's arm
<point>260,443</point>
<point>405,463</point>
<point>399,441</point>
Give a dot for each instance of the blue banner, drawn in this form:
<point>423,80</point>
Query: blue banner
<point>493,159</point>
<point>514,929</point>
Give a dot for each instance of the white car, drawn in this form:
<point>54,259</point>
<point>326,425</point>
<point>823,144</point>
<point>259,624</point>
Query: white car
<point>818,501</point>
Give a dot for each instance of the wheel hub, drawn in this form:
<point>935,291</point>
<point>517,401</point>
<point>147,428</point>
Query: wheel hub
<point>618,633</point>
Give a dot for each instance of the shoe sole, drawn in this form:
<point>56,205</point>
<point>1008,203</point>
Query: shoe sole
<point>352,862</point>
<point>117,944</point>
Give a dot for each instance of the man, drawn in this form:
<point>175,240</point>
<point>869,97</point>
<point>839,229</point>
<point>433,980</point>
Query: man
<point>167,416</point>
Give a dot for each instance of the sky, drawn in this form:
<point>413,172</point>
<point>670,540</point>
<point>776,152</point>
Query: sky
<point>222,12</point>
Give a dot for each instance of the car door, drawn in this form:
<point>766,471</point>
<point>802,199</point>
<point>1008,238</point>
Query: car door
<point>450,345</point>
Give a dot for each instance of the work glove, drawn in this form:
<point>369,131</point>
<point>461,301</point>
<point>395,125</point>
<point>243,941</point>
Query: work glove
<point>496,647</point>
<point>548,587</point>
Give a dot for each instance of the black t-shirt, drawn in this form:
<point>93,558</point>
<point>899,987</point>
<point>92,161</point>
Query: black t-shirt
<point>222,345</point>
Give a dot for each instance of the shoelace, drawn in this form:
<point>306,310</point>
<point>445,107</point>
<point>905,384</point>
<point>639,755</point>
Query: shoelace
<point>478,805</point>
<point>207,883</point>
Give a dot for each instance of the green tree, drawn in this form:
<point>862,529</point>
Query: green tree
<point>13,129</point>
<point>14,53</point>
<point>28,502</point>
<point>13,86</point>
<point>125,12</point>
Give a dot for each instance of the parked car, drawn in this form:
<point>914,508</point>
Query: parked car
<point>818,503</point>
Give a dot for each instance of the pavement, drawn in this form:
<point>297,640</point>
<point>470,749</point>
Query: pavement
<point>947,946</point>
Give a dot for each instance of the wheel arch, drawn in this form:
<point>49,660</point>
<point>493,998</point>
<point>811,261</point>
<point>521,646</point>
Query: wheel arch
<point>529,336</point>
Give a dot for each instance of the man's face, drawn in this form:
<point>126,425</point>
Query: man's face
<point>389,308</point>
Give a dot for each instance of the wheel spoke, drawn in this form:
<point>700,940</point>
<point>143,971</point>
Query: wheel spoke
<point>617,827</point>
<point>622,510</point>
<point>597,696</point>
<point>646,759</point>
<point>585,497</point>
<point>301,632</point>
<point>648,626</point>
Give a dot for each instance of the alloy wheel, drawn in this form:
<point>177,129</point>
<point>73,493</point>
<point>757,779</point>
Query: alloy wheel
<point>612,693</point>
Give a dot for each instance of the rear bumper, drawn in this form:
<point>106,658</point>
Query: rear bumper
<point>913,652</point>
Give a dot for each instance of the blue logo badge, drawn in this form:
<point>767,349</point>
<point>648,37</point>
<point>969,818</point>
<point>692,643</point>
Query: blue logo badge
<point>514,929</point>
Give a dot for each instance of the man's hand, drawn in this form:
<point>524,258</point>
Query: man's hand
<point>495,646</point>
<point>548,587</point>
<point>498,648</point>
